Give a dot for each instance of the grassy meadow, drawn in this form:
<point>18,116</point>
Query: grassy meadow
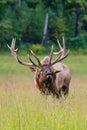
<point>22,107</point>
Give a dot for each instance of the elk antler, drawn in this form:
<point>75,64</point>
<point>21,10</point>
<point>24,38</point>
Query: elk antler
<point>14,53</point>
<point>61,53</point>
<point>51,54</point>
<point>39,63</point>
<point>62,49</point>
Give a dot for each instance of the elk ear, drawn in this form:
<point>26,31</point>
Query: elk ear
<point>56,71</point>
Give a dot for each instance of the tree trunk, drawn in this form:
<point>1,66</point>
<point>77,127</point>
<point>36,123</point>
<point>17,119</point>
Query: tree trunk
<point>19,3</point>
<point>45,32</point>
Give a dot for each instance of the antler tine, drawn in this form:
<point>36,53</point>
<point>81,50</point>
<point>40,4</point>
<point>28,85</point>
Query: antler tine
<point>51,54</point>
<point>31,60</point>
<point>63,44</point>
<point>14,53</point>
<point>59,44</point>
<point>36,57</point>
<point>13,50</point>
<point>58,59</point>
<point>61,58</point>
<point>13,43</point>
<point>62,49</point>
<point>61,53</point>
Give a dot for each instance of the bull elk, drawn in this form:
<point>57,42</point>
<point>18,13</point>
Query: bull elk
<point>50,76</point>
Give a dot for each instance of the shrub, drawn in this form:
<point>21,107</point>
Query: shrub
<point>78,42</point>
<point>37,48</point>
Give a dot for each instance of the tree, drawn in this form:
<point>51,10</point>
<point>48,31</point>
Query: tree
<point>24,19</point>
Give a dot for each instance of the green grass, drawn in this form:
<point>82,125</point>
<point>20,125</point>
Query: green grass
<point>22,107</point>
<point>77,64</point>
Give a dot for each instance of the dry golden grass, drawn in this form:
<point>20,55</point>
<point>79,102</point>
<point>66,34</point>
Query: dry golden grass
<point>22,107</point>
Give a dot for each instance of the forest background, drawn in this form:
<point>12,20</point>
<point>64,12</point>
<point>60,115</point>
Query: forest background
<point>25,20</point>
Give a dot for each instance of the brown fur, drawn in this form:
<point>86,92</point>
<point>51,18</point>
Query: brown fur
<point>57,83</point>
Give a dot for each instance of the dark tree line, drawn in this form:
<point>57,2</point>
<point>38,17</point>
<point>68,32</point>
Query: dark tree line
<point>24,19</point>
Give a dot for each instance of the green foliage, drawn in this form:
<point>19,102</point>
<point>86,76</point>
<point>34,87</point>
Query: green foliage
<point>78,42</point>
<point>38,49</point>
<point>25,20</point>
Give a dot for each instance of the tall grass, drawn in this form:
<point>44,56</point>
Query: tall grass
<point>22,107</point>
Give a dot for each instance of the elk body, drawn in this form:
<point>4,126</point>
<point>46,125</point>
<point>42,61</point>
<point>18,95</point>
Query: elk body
<point>50,76</point>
